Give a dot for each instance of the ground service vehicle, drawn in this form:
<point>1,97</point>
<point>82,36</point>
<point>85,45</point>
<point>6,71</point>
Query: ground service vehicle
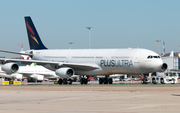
<point>163,78</point>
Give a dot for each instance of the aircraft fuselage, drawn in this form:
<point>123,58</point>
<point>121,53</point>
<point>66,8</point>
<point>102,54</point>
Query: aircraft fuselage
<point>110,61</point>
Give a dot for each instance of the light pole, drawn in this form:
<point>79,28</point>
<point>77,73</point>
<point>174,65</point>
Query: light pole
<point>158,44</point>
<point>71,44</point>
<point>89,36</point>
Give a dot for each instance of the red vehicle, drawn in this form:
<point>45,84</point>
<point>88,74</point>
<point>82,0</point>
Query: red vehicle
<point>91,78</point>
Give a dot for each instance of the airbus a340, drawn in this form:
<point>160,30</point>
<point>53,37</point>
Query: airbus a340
<point>87,62</point>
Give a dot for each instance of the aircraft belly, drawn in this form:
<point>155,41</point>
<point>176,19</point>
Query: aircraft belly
<point>93,72</point>
<point>124,71</point>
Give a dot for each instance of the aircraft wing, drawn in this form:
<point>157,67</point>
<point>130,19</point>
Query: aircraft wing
<point>81,66</point>
<point>75,66</point>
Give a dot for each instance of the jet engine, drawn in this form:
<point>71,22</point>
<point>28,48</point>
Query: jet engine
<point>10,68</point>
<point>163,67</point>
<point>64,72</point>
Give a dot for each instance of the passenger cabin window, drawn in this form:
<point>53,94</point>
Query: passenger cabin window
<point>149,57</point>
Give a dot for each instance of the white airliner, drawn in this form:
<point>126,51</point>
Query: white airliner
<point>87,62</point>
<point>33,72</point>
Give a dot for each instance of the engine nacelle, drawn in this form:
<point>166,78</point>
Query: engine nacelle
<point>10,68</point>
<point>163,67</point>
<point>64,72</point>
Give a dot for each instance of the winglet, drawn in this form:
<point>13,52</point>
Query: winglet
<point>34,39</point>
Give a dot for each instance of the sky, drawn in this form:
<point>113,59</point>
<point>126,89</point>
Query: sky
<point>115,24</point>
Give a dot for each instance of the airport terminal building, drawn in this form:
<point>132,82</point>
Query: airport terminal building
<point>172,60</point>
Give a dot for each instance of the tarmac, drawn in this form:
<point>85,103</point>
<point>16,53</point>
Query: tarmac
<point>116,98</point>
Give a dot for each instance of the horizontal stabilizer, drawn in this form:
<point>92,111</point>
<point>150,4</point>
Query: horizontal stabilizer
<point>16,53</point>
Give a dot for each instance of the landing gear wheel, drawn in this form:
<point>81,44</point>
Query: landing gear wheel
<point>85,81</point>
<point>110,81</point>
<point>143,81</point>
<point>162,81</point>
<point>70,81</point>
<point>82,81</point>
<point>173,81</point>
<point>100,81</point>
<point>60,81</point>
<point>153,81</point>
<point>105,81</point>
<point>65,81</point>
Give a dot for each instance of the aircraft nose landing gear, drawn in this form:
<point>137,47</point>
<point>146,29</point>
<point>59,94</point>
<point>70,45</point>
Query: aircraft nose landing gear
<point>144,79</point>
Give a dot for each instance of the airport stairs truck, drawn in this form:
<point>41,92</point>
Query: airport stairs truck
<point>164,78</point>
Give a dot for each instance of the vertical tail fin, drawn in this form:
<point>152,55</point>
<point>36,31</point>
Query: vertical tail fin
<point>172,54</point>
<point>34,39</point>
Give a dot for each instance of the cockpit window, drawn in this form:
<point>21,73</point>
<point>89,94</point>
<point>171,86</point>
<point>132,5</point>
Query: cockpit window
<point>153,57</point>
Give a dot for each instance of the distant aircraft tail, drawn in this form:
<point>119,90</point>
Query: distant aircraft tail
<point>25,57</point>
<point>34,39</point>
<point>172,54</point>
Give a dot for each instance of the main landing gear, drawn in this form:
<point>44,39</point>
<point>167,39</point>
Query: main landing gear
<point>105,80</point>
<point>65,81</point>
<point>83,80</point>
<point>144,79</point>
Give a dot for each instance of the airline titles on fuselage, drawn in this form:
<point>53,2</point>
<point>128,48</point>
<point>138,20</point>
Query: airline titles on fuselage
<point>116,63</point>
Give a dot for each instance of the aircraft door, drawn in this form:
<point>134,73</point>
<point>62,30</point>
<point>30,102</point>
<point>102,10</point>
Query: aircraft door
<point>137,62</point>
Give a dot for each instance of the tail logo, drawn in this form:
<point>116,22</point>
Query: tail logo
<point>32,32</point>
<point>35,39</point>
